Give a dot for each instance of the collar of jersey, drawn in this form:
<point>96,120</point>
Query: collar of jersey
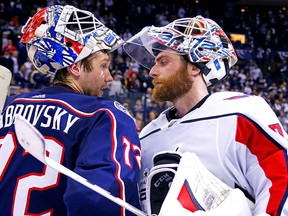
<point>172,112</point>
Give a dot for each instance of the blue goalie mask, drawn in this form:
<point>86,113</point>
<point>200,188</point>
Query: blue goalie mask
<point>58,36</point>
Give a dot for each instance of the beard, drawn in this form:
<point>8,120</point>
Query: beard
<point>174,86</point>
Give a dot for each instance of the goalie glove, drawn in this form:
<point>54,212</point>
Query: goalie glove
<point>160,179</point>
<point>196,190</point>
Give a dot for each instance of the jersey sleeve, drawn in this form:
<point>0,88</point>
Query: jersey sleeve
<point>109,156</point>
<point>263,136</point>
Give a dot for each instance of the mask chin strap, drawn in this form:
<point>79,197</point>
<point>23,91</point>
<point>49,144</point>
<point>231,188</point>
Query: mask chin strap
<point>206,70</point>
<point>202,66</point>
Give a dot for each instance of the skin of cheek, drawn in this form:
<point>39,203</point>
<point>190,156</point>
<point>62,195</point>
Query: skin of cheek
<point>102,75</point>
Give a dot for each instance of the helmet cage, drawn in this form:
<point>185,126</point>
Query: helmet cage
<point>65,35</point>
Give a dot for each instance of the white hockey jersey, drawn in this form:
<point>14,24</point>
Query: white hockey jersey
<point>237,137</point>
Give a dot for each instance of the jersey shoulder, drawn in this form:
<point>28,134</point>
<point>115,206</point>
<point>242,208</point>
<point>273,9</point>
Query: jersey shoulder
<point>235,102</point>
<point>76,102</point>
<point>252,107</point>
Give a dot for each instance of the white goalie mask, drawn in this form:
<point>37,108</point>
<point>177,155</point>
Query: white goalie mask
<point>200,39</point>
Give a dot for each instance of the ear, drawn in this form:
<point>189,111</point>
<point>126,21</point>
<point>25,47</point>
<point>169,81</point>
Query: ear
<point>74,69</point>
<point>192,69</point>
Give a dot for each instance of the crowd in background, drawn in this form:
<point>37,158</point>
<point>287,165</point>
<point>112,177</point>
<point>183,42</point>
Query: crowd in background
<point>264,74</point>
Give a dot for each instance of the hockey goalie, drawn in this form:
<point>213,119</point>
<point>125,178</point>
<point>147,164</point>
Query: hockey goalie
<point>236,136</point>
<point>190,189</point>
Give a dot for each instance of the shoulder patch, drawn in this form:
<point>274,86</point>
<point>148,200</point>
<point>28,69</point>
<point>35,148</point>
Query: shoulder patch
<point>120,107</point>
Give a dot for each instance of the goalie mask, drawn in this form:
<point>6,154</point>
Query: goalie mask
<point>58,36</point>
<point>200,39</point>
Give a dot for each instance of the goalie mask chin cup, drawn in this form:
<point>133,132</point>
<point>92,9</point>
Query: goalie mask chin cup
<point>59,36</point>
<point>200,39</point>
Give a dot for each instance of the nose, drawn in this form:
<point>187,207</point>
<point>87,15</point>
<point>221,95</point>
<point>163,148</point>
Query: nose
<point>108,77</point>
<point>153,72</point>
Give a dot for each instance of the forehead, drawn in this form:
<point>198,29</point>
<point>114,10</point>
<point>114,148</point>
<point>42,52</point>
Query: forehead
<point>167,54</point>
<point>101,56</point>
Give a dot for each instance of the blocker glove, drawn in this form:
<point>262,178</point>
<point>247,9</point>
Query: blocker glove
<point>160,179</point>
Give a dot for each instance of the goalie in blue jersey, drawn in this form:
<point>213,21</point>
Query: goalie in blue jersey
<point>90,135</point>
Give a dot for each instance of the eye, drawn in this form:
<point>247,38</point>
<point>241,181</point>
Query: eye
<point>104,66</point>
<point>163,62</point>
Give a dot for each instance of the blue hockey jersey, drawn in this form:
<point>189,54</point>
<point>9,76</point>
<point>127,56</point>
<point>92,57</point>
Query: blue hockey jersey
<point>92,136</point>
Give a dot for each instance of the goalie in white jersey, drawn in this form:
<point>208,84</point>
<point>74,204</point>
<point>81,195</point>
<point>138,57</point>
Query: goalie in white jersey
<point>237,137</point>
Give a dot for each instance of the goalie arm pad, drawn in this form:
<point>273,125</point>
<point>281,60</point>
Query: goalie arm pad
<point>196,191</point>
